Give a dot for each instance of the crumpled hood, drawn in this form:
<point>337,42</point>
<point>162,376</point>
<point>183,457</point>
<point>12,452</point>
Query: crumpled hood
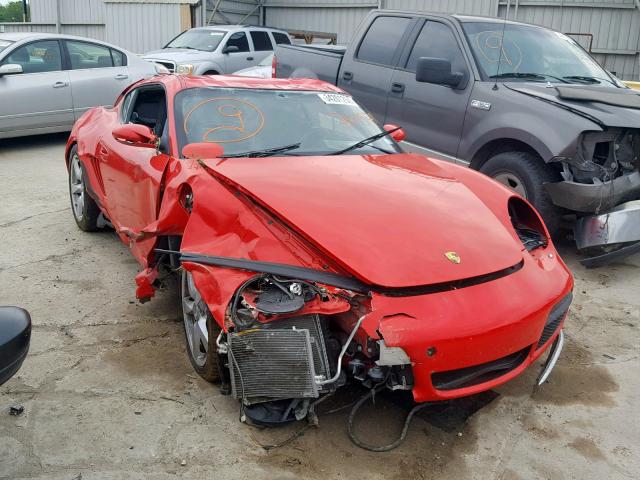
<point>609,115</point>
<point>389,219</point>
<point>178,55</point>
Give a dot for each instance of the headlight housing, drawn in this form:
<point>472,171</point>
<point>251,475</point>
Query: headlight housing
<point>161,69</point>
<point>527,224</point>
<point>184,69</point>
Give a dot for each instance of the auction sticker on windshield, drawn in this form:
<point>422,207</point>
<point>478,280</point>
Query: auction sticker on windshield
<point>336,99</point>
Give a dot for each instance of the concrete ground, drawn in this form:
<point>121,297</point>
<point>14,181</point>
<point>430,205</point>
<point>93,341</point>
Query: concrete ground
<point>109,392</point>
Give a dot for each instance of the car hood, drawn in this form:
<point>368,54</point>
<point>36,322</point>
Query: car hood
<point>390,220</point>
<point>609,106</point>
<point>178,55</point>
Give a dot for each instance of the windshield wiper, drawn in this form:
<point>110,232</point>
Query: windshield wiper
<point>365,142</point>
<point>530,76</point>
<point>264,153</point>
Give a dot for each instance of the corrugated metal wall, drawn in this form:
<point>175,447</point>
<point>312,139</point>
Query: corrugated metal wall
<point>129,25</point>
<point>613,24</point>
<point>233,12</point>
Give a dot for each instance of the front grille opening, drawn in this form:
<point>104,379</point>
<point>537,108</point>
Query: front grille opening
<point>470,376</point>
<point>556,315</point>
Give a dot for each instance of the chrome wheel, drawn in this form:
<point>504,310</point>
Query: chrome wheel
<point>513,182</point>
<point>76,185</point>
<point>195,313</point>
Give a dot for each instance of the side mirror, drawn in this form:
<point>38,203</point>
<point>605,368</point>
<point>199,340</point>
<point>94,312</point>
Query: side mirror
<point>197,151</point>
<point>136,134</point>
<point>230,49</point>
<point>397,135</point>
<point>15,335</point>
<point>438,71</point>
<point>10,69</point>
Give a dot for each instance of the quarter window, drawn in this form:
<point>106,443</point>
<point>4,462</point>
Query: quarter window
<point>37,57</point>
<point>239,39</point>
<point>85,55</point>
<point>382,39</point>
<point>119,58</point>
<point>261,41</point>
<point>281,38</point>
<point>436,40</point>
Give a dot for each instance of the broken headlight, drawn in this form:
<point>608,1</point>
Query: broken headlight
<point>527,224</point>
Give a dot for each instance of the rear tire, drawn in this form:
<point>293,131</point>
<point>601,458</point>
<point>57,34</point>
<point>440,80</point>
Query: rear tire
<point>200,329</point>
<point>84,208</point>
<point>526,174</point>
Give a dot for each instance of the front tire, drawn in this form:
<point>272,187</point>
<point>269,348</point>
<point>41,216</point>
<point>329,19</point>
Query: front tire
<point>84,208</point>
<point>200,329</point>
<point>526,175</point>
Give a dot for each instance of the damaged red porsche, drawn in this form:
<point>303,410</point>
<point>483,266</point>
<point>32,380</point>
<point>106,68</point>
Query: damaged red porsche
<point>312,250</point>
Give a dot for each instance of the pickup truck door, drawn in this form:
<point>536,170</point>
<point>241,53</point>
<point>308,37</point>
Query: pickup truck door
<point>367,75</point>
<point>243,58</point>
<point>431,115</point>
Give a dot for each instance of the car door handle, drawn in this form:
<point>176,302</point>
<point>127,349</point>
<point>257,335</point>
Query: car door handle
<point>397,87</point>
<point>60,84</point>
<point>249,58</point>
<point>347,76</point>
<point>121,76</point>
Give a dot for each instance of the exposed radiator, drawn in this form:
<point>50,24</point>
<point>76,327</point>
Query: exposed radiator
<point>271,364</point>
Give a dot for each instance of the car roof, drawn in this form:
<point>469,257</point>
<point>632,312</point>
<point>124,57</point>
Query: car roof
<point>228,28</point>
<point>176,83</point>
<point>28,36</point>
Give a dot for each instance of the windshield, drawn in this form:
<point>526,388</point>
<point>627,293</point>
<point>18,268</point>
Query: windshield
<point>243,120</point>
<point>205,40</point>
<point>531,54</point>
<point>4,44</point>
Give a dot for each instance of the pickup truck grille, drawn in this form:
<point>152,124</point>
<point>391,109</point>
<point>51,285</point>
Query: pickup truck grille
<point>171,66</point>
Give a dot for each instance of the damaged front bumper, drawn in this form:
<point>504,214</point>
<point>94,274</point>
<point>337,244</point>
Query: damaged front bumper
<point>594,197</point>
<point>618,227</point>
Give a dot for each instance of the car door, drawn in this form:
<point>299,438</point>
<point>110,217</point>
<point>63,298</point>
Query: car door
<point>431,115</point>
<point>98,74</point>
<point>38,99</point>
<point>368,76</point>
<point>262,45</point>
<point>132,174</point>
<point>243,58</point>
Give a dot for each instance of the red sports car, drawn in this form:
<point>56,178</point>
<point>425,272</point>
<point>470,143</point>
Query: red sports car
<point>312,250</point>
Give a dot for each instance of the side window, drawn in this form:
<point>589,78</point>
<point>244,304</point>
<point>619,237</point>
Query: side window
<point>119,58</point>
<point>125,107</point>
<point>88,55</point>
<point>281,38</point>
<point>239,39</point>
<point>37,57</point>
<point>382,39</point>
<point>261,41</point>
<point>436,40</point>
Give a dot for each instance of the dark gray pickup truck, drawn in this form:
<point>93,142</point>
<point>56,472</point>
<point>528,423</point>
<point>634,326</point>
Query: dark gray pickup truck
<point>524,104</point>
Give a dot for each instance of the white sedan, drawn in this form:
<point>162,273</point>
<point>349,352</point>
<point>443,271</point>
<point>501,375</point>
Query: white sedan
<point>47,81</point>
<point>262,70</point>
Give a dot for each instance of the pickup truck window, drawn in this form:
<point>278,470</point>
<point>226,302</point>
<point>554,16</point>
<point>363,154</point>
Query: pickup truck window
<point>198,39</point>
<point>245,120</point>
<point>261,41</point>
<point>382,39</point>
<point>281,38</point>
<point>239,39</point>
<point>531,54</point>
<point>436,40</point>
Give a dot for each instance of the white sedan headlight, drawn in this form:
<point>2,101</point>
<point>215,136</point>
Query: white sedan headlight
<point>184,69</point>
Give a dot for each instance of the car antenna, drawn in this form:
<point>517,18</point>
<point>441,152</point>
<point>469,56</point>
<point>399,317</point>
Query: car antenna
<point>504,24</point>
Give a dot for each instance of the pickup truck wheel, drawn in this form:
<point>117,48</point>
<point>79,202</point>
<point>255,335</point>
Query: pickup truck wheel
<point>200,329</point>
<point>526,174</point>
<point>84,208</point>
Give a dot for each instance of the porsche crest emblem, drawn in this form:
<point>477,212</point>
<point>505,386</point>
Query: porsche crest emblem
<point>453,257</point>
